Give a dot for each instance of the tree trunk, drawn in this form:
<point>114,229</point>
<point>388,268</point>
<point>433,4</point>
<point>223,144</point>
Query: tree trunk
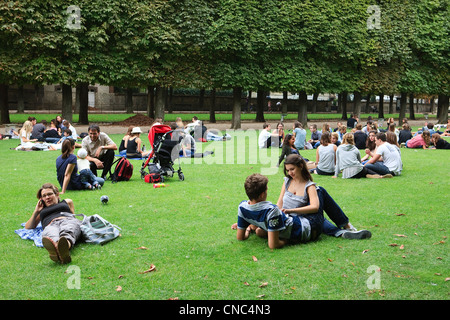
<point>314,105</point>
<point>201,99</point>
<point>159,103</point>
<point>432,104</point>
<point>260,105</point>
<point>411,107</point>
<point>236,115</point>
<point>84,103</point>
<point>212,107</point>
<point>368,104</point>
<point>284,106</point>
<point>169,99</point>
<point>391,104</point>
<point>303,108</point>
<point>402,113</point>
<point>4,108</point>
<point>357,103</point>
<point>344,105</point>
<point>151,102</point>
<point>442,111</point>
<point>66,102</point>
<point>381,106</point>
<point>76,108</point>
<point>20,100</point>
<point>129,101</point>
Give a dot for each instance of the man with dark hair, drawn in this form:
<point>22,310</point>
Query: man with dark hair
<point>38,129</point>
<point>100,149</point>
<point>352,121</point>
<point>392,161</point>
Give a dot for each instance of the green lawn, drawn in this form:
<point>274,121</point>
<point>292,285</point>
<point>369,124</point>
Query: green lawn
<point>185,228</point>
<point>169,117</point>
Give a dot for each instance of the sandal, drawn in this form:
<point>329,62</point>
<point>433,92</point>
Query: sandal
<point>64,250</point>
<point>50,245</point>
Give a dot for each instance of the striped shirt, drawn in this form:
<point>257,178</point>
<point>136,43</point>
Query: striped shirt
<point>268,217</point>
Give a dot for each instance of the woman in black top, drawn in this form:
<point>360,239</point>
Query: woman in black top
<point>134,145</point>
<point>61,229</point>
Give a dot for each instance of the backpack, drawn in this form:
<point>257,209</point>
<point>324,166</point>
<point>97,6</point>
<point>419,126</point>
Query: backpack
<point>123,170</point>
<point>97,230</point>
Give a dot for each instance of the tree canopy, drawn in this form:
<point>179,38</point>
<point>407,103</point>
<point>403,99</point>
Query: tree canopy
<point>309,46</point>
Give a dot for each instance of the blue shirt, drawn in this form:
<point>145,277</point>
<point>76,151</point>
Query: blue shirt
<point>61,166</point>
<point>300,138</point>
<point>268,217</point>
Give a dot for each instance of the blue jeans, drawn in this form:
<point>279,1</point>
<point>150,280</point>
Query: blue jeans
<point>87,178</point>
<point>319,224</point>
<point>379,168</point>
<point>334,212</point>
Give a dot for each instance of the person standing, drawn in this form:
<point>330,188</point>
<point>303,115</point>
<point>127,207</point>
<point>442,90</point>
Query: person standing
<point>100,149</point>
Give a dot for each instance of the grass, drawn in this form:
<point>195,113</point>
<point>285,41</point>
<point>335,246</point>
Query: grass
<point>186,230</point>
<point>187,117</point>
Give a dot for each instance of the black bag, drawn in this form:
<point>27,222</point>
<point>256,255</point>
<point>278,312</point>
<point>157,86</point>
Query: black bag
<point>123,170</point>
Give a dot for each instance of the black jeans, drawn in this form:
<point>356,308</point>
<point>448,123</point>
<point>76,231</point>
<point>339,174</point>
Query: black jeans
<point>107,159</point>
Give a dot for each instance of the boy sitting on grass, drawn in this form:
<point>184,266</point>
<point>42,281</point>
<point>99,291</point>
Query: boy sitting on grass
<point>264,217</point>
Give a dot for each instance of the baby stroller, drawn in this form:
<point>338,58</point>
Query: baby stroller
<point>164,151</point>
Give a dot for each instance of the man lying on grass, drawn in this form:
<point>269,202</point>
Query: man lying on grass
<point>280,228</point>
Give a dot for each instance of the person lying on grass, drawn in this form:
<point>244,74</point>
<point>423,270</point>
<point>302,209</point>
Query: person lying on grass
<point>61,229</point>
<point>280,228</point>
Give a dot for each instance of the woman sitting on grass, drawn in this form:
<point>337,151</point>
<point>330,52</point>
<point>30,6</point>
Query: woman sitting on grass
<point>67,168</point>
<point>348,159</point>
<point>288,147</point>
<point>61,229</point>
<point>296,218</point>
<point>26,143</point>
<point>325,156</point>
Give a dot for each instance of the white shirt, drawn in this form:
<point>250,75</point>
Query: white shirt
<point>391,157</point>
<point>83,164</point>
<point>263,136</point>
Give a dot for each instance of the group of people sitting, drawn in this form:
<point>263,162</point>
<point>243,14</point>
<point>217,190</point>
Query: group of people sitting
<point>338,151</point>
<point>44,136</point>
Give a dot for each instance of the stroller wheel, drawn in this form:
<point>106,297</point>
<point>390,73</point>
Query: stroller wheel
<point>181,176</point>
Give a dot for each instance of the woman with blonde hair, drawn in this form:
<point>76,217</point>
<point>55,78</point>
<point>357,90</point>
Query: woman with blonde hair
<point>348,159</point>
<point>25,136</point>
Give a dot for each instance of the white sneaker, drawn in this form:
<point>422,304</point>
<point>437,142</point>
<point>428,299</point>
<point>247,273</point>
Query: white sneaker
<point>352,228</point>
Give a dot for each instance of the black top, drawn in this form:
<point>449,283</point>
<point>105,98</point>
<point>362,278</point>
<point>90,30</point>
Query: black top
<point>54,211</point>
<point>132,146</point>
<point>442,144</point>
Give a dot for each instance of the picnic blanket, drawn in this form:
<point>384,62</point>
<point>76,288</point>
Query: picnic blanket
<point>31,234</point>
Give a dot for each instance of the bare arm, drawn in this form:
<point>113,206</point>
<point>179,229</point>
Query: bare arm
<point>35,216</point>
<point>274,240</point>
<point>280,198</point>
<point>313,206</point>
<point>67,176</point>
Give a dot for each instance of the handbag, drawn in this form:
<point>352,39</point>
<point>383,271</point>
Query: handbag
<point>98,230</point>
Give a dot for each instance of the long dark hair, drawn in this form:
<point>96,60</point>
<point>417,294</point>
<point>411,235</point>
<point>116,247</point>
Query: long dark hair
<point>67,147</point>
<point>298,161</point>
